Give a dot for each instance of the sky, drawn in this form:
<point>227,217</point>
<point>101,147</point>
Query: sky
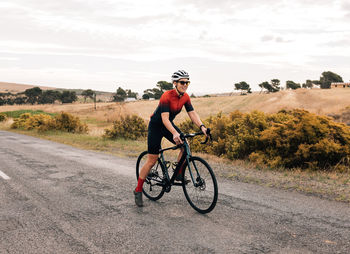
<point>106,44</point>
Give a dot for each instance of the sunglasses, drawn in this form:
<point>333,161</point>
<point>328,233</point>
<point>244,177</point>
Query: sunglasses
<point>184,83</point>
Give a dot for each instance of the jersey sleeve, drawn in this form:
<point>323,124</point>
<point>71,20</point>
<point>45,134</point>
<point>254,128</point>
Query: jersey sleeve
<point>164,103</point>
<point>188,104</point>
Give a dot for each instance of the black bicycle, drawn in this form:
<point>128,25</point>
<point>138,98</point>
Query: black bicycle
<point>197,178</point>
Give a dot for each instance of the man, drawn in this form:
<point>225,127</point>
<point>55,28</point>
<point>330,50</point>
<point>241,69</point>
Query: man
<point>161,125</point>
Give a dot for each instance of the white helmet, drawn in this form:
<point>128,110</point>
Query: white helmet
<point>179,75</point>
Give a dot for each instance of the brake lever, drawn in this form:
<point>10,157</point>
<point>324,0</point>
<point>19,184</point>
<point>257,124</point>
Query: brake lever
<point>207,137</point>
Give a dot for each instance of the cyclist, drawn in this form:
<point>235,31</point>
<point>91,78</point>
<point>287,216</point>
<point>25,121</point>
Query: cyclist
<point>161,125</point>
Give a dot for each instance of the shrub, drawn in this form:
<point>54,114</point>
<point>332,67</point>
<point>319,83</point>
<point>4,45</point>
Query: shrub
<point>19,123</point>
<point>2,117</point>
<point>42,122</point>
<point>39,122</point>
<point>288,139</point>
<point>69,123</point>
<point>129,127</point>
<point>304,140</point>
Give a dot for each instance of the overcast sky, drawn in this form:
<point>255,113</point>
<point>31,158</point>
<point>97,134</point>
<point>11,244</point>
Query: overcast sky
<point>133,44</point>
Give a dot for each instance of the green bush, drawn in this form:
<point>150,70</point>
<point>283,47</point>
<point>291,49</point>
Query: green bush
<point>2,117</point>
<point>288,139</point>
<point>129,127</point>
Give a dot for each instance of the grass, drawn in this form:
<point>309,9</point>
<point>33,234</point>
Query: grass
<point>17,113</point>
<point>120,147</point>
<point>330,185</point>
<point>335,185</point>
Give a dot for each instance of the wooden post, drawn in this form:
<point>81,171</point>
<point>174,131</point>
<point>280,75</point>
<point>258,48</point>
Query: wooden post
<point>95,100</point>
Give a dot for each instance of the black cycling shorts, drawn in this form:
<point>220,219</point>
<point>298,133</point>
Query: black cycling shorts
<point>155,134</point>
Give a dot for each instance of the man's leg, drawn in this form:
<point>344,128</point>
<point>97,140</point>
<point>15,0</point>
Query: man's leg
<point>178,177</point>
<point>151,160</point>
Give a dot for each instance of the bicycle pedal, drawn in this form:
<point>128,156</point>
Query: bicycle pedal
<point>167,189</point>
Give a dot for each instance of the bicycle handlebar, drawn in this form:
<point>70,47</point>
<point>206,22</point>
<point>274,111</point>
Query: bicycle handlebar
<point>191,135</point>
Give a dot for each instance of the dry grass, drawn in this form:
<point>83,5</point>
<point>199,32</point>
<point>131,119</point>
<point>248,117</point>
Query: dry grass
<point>330,185</point>
<point>330,101</point>
<point>6,87</point>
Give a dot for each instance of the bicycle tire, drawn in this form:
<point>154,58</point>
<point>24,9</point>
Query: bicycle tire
<point>202,198</point>
<point>152,187</point>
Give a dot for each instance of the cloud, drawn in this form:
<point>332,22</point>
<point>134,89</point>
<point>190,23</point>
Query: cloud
<point>278,39</point>
<point>338,43</point>
<point>267,38</point>
<point>127,38</point>
<point>337,63</point>
<point>345,5</point>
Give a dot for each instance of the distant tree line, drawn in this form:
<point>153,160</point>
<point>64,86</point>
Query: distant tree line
<point>153,93</point>
<point>37,96</point>
<point>324,82</point>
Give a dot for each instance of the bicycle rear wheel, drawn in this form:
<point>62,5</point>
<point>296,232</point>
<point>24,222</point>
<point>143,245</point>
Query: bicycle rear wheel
<point>153,185</point>
<point>202,194</point>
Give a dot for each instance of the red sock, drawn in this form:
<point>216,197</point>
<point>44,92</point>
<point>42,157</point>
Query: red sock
<point>139,185</point>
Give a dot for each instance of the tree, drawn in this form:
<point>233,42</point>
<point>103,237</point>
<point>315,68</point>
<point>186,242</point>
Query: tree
<point>271,88</point>
<point>120,95</point>
<point>266,85</point>
<point>243,86</point>
<point>49,97</point>
<point>292,85</point>
<point>308,84</point>
<point>164,86</point>
<point>329,77</point>
<point>238,86</point>
<point>33,94</point>
<point>154,93</point>
<point>157,93</point>
<point>275,83</point>
<point>145,96</point>
<point>130,94</point>
<point>68,97</point>
<point>20,100</point>
<point>88,94</point>
<point>148,93</point>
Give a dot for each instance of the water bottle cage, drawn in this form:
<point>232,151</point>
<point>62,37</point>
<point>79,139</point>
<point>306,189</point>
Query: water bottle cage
<point>174,165</point>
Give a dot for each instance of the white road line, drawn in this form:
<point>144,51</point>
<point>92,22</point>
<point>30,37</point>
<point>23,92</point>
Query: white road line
<point>3,175</point>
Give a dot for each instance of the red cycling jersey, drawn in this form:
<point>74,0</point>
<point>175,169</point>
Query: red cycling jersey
<point>171,102</point>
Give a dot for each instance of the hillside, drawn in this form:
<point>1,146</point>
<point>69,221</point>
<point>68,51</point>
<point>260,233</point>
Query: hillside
<point>324,102</point>
<point>6,87</point>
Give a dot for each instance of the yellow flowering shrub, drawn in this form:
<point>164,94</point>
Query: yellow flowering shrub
<point>69,123</point>
<point>2,117</point>
<point>129,127</point>
<point>42,122</point>
<point>295,138</point>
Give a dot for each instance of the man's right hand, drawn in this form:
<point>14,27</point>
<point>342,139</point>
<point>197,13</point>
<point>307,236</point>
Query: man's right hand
<point>177,139</point>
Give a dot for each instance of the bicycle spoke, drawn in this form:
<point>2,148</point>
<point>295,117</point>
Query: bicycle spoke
<point>152,187</point>
<point>202,194</point>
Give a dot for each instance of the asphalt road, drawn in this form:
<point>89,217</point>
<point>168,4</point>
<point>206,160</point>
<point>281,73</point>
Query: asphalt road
<point>59,199</point>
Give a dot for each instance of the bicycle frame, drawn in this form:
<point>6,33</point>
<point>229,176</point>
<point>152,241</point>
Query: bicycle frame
<point>185,156</point>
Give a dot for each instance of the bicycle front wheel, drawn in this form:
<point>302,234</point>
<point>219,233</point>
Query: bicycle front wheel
<point>153,185</point>
<point>202,193</point>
